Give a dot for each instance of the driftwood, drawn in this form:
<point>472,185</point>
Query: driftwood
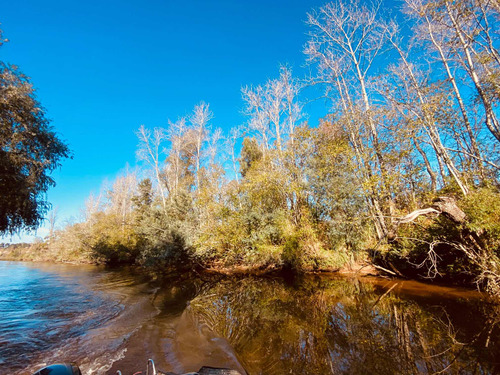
<point>384,269</point>
<point>442,205</point>
<point>448,207</point>
<point>413,215</point>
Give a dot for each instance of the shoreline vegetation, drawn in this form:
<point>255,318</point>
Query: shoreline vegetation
<point>39,253</point>
<point>401,174</point>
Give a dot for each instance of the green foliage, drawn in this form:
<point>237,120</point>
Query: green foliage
<point>164,237</point>
<point>250,153</point>
<point>304,252</point>
<point>483,211</point>
<point>337,201</point>
<point>110,241</point>
<point>143,200</point>
<point>277,216</point>
<point>29,151</point>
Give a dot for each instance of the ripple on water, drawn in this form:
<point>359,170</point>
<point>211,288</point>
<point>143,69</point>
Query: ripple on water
<point>41,311</point>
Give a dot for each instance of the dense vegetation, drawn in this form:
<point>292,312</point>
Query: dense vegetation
<point>412,116</point>
<point>29,151</point>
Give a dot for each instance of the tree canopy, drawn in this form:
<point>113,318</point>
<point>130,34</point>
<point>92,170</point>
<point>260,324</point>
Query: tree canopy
<point>29,150</point>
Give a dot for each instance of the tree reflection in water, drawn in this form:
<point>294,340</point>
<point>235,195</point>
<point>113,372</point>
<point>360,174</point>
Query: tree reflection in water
<point>321,325</point>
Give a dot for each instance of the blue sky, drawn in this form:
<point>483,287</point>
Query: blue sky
<point>103,68</point>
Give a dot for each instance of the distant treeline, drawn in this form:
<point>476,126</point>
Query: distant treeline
<point>19,245</point>
<point>411,115</point>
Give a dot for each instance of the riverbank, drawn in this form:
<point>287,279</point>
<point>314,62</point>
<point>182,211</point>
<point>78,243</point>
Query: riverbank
<point>390,265</point>
<point>41,252</point>
<point>26,252</point>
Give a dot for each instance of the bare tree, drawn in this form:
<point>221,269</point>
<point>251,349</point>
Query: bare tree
<point>438,39</point>
<point>93,204</point>
<point>230,142</point>
<point>199,122</point>
<point>462,35</point>
<point>423,110</point>
<point>291,88</point>
<point>255,108</point>
<point>473,65</point>
<point>120,196</point>
<point>53,215</point>
<point>274,109</point>
<point>345,41</point>
<point>174,168</point>
<point>150,151</point>
<point>213,146</point>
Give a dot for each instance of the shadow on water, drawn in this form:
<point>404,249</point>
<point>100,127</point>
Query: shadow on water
<point>319,325</point>
<point>258,325</point>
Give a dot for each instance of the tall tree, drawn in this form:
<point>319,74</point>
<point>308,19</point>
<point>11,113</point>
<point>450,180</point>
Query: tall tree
<point>250,153</point>
<point>176,169</point>
<point>151,151</point>
<point>423,108</point>
<point>274,109</point>
<point>345,42</point>
<point>462,33</point>
<point>120,197</point>
<point>29,151</point>
<point>199,133</point>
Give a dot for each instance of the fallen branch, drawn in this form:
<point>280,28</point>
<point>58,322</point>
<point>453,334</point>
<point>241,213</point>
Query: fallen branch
<point>413,215</point>
<point>385,270</point>
<point>442,205</point>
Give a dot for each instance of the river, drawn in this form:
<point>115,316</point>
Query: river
<point>106,320</point>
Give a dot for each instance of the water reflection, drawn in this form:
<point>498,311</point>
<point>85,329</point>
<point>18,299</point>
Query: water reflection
<point>323,325</point>
<point>107,320</point>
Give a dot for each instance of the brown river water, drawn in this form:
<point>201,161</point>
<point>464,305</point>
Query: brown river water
<point>108,320</point>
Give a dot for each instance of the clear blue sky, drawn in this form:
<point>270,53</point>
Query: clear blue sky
<point>102,68</point>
